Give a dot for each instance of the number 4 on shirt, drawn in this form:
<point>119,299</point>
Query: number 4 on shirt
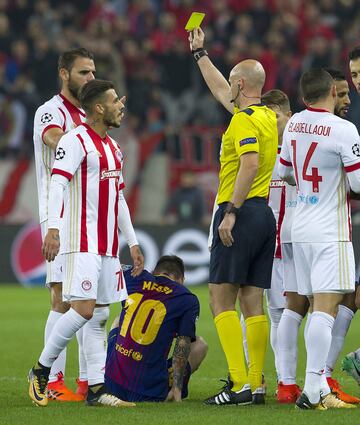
<point>314,176</point>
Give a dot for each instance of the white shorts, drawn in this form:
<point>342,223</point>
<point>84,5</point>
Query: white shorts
<point>290,282</point>
<point>93,277</point>
<point>324,267</point>
<point>275,295</point>
<point>54,268</point>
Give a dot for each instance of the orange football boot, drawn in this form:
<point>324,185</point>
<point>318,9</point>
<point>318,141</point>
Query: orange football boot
<point>82,388</point>
<point>335,389</point>
<point>58,391</point>
<point>287,394</point>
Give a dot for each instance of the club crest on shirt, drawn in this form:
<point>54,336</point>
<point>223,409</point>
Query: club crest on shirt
<point>356,149</point>
<point>45,118</point>
<point>119,155</point>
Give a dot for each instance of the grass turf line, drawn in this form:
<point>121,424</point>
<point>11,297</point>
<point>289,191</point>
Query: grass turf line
<point>22,317</point>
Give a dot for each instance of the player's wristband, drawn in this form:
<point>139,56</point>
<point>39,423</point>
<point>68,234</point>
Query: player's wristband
<point>199,53</point>
<point>231,209</point>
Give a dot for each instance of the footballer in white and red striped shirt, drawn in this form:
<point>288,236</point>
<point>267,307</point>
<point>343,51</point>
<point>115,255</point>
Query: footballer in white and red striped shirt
<point>87,168</point>
<point>52,119</point>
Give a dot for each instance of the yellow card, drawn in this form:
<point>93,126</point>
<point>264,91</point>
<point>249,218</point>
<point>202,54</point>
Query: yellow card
<point>194,21</point>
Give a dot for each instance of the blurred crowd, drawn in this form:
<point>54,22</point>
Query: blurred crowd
<point>142,46</point>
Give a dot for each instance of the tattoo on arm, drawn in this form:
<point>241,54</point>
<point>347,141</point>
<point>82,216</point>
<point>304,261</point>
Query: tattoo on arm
<point>180,358</point>
<point>56,237</point>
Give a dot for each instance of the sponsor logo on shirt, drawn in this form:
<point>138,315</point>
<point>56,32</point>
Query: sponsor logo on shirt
<point>277,183</point>
<point>248,141</point>
<point>290,204</point>
<point>110,174</point>
<point>308,200</point>
<point>135,355</point>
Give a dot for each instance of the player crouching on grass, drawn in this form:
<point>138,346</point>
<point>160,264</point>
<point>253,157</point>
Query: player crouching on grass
<point>158,308</point>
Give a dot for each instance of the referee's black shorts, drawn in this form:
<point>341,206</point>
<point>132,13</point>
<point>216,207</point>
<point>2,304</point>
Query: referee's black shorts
<point>249,260</point>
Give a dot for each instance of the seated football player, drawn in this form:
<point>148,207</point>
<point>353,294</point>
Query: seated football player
<point>159,308</point>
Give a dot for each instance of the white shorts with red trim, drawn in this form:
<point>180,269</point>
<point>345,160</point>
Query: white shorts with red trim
<point>275,295</point>
<point>290,282</point>
<point>93,277</point>
<point>54,268</point>
<point>324,267</point>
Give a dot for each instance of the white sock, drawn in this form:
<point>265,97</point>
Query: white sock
<point>82,359</point>
<point>246,351</point>
<point>324,386</point>
<point>308,320</point>
<point>62,332</point>
<point>95,345</point>
<point>318,341</point>
<point>275,316</point>
<point>59,364</point>
<point>287,334</point>
<point>339,331</point>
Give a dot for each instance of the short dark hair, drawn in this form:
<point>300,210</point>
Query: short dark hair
<point>170,264</point>
<point>67,59</point>
<point>276,97</point>
<point>92,91</point>
<point>315,84</point>
<point>354,53</point>
<point>336,74</point>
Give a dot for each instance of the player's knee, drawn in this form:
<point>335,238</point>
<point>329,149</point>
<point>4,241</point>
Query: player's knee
<point>357,297</point>
<point>57,303</point>
<point>297,303</point>
<point>203,346</point>
<point>199,349</point>
<point>349,301</point>
<point>101,316</point>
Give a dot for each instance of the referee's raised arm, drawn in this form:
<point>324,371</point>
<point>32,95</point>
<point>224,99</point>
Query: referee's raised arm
<point>214,79</point>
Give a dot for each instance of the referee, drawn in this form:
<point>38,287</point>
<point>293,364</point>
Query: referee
<point>244,226</point>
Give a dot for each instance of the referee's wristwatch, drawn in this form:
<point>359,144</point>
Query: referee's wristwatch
<point>231,209</point>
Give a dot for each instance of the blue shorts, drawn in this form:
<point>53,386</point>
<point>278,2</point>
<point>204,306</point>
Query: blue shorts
<point>249,260</point>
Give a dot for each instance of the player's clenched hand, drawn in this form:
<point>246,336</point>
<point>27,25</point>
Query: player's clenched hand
<point>138,260</point>
<point>174,395</point>
<point>51,244</point>
<point>225,229</point>
<point>196,38</point>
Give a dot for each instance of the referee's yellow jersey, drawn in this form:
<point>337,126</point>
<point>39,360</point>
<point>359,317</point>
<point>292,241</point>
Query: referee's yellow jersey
<point>253,129</point>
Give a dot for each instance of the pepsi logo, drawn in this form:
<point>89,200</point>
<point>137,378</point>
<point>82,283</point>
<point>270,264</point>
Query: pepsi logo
<point>27,262</point>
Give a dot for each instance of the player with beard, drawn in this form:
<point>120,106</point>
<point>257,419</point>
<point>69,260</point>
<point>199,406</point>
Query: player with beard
<point>53,119</point>
<point>87,177</point>
<point>351,363</point>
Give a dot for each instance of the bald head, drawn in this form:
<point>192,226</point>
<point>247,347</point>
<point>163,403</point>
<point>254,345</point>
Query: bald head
<point>251,71</point>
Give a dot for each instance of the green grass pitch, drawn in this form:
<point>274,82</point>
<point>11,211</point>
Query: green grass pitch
<point>22,317</point>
